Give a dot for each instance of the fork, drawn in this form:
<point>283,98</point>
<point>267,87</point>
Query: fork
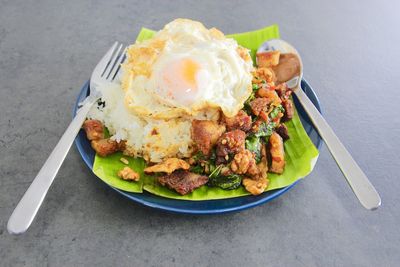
<point>27,208</point>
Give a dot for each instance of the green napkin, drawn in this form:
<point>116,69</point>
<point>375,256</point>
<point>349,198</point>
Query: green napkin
<point>301,153</point>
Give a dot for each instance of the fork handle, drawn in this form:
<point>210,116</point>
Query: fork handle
<point>356,178</point>
<point>28,206</point>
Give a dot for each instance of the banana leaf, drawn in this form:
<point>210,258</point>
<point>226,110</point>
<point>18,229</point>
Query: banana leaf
<point>301,153</point>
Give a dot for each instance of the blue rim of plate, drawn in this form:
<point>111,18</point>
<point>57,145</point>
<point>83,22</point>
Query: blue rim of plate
<point>207,206</point>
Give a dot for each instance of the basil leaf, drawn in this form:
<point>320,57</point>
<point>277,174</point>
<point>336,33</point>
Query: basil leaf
<point>276,111</point>
<point>197,169</point>
<point>198,156</point>
<point>228,182</point>
<point>265,129</point>
<point>253,144</point>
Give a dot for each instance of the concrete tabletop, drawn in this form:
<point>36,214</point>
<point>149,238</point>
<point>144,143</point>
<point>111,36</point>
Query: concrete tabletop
<point>351,55</point>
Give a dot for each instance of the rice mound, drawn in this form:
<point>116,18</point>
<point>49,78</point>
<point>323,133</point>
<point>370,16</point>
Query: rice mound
<point>151,139</point>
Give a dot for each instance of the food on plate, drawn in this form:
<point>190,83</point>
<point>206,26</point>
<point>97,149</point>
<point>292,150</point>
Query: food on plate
<point>107,146</point>
<point>244,162</point>
<point>229,144</point>
<point>283,131</point>
<point>277,153</point>
<point>255,186</point>
<point>205,134</point>
<point>241,121</point>
<point>192,104</point>
<point>186,70</point>
<point>168,166</point>
<point>268,58</point>
<point>128,174</point>
<point>124,161</point>
<point>288,67</point>
<point>94,129</point>
<point>183,181</point>
<point>103,146</point>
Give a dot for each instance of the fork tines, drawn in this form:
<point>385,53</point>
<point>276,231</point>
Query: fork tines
<point>114,64</point>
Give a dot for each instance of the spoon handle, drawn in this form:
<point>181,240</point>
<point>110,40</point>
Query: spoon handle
<point>358,181</point>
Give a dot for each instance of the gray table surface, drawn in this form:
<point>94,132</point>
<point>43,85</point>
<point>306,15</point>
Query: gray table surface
<point>351,56</point>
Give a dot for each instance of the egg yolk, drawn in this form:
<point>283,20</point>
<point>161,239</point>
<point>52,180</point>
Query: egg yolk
<point>190,69</point>
<point>180,80</point>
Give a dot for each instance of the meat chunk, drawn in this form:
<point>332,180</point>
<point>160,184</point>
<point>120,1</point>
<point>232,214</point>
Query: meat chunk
<point>263,153</point>
<point>266,74</point>
<point>282,130</point>
<point>281,89</point>
<point>259,105</point>
<point>168,166</point>
<point>255,187</point>
<point>258,183</point>
<point>128,174</point>
<point>244,162</point>
<point>270,95</point>
<point>289,109</point>
<point>94,129</point>
<point>241,121</point>
<point>95,133</point>
<point>105,147</point>
<point>205,134</point>
<point>268,58</point>
<point>182,181</point>
<point>263,167</point>
<point>277,153</point>
<point>230,142</point>
<point>122,146</point>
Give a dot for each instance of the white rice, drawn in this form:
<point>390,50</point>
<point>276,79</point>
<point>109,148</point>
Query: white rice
<point>152,139</point>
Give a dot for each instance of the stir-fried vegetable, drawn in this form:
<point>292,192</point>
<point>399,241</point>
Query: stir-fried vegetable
<point>198,166</point>
<point>247,107</point>
<point>276,111</point>
<point>197,169</point>
<point>216,172</point>
<point>198,156</point>
<point>253,144</point>
<point>228,182</point>
<point>265,129</point>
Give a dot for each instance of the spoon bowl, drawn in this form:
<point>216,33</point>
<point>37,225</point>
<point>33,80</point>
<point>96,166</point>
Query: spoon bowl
<point>285,48</point>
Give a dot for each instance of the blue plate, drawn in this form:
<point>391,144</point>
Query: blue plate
<point>209,206</point>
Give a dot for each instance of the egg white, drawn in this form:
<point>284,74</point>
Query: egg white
<point>225,81</point>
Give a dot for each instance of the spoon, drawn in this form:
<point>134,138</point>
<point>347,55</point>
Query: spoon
<point>358,181</point>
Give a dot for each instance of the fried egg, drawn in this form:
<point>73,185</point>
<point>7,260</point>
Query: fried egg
<point>186,70</point>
